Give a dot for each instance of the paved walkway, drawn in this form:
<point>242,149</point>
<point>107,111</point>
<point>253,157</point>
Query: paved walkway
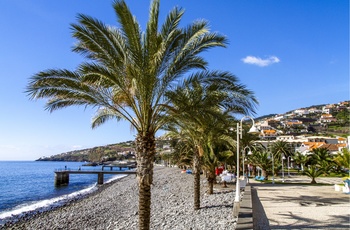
<point>288,206</point>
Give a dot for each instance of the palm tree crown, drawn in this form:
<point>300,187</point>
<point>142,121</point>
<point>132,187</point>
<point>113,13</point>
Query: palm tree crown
<point>128,70</point>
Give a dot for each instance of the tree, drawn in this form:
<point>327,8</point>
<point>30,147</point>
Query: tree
<point>198,106</point>
<point>313,172</point>
<point>216,145</point>
<point>321,158</point>
<point>343,116</point>
<point>343,159</point>
<point>263,160</point>
<point>188,145</point>
<point>126,75</point>
<point>320,162</point>
<point>300,159</point>
<point>280,148</point>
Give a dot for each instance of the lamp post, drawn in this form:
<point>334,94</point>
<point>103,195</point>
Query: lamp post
<point>288,165</point>
<point>243,156</point>
<point>282,167</point>
<point>239,131</point>
<point>273,169</point>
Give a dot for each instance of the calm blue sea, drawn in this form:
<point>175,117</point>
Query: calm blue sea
<point>29,185</point>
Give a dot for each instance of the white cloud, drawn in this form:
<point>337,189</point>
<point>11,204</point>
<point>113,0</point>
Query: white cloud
<point>260,62</point>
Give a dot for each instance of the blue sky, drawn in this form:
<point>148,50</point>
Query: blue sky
<point>291,53</point>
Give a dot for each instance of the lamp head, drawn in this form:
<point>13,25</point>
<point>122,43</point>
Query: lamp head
<point>254,130</point>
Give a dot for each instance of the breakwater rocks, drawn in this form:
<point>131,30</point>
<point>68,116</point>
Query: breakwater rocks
<point>116,207</point>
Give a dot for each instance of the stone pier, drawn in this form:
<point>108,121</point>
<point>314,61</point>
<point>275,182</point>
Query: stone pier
<point>62,177</point>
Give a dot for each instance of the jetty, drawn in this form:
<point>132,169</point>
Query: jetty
<point>62,175</point>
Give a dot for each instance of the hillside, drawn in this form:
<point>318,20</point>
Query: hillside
<point>311,123</point>
<point>120,151</point>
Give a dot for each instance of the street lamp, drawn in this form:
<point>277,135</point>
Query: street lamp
<point>288,165</point>
<point>282,167</point>
<point>243,156</point>
<point>273,169</point>
<point>239,131</point>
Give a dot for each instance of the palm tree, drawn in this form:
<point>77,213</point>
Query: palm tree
<point>313,172</point>
<point>262,159</point>
<point>280,148</point>
<point>189,146</point>
<point>248,140</point>
<point>343,159</point>
<point>198,103</point>
<point>300,159</point>
<point>182,152</point>
<point>126,75</point>
<point>321,158</point>
<point>216,145</point>
<point>254,147</point>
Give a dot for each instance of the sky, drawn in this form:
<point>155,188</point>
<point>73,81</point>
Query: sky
<point>291,54</point>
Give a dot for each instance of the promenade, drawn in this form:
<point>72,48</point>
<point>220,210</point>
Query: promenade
<point>288,206</point>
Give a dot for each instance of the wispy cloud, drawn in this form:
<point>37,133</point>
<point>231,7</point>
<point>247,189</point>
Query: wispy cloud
<point>260,62</point>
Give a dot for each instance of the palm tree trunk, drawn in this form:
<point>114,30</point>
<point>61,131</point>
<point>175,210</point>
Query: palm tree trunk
<point>313,181</point>
<point>211,179</point>
<point>145,151</point>
<point>196,181</point>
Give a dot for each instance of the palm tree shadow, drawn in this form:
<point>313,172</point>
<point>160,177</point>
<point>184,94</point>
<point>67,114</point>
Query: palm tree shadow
<point>218,206</point>
<point>260,220</point>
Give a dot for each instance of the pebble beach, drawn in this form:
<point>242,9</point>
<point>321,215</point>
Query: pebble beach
<point>115,206</point>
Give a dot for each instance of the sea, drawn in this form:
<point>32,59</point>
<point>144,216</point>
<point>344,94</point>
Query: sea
<point>28,186</point>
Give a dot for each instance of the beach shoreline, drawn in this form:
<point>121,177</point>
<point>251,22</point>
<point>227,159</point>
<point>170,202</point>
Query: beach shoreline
<point>7,222</point>
<point>115,206</point>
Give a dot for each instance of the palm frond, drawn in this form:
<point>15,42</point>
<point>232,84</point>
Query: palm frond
<point>103,115</point>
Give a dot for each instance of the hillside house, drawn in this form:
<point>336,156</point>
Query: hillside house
<point>327,118</point>
<point>314,110</point>
<point>328,109</point>
<point>269,133</point>
<point>291,123</point>
<point>301,112</point>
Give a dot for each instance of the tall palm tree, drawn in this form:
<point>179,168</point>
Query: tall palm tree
<point>126,75</point>
<point>204,96</point>
<point>216,144</point>
<point>279,150</point>
<point>189,141</point>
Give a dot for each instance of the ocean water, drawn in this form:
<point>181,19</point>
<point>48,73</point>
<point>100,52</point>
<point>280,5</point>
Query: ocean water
<point>29,185</point>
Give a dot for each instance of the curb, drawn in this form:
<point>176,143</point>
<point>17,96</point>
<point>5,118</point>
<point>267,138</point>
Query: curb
<point>245,216</point>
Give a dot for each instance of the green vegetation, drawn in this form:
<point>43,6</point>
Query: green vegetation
<point>322,163</point>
